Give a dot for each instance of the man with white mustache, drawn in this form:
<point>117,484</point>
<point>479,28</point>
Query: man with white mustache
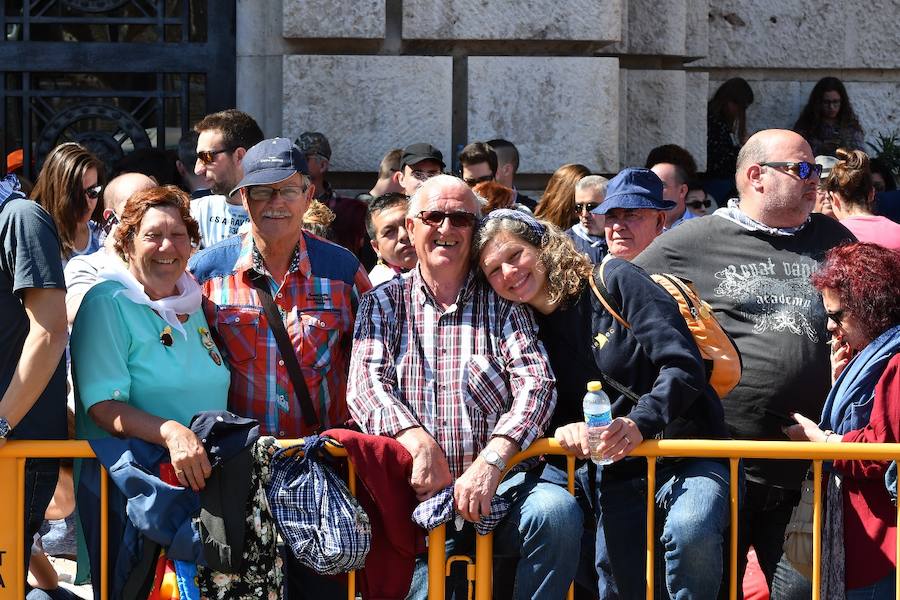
<point>315,286</point>
<point>457,375</point>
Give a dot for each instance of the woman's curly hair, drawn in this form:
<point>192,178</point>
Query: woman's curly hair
<point>567,268</point>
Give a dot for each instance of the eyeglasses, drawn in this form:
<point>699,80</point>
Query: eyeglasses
<point>473,181</point>
<point>699,203</point>
<point>208,157</point>
<point>435,218</point>
<point>262,193</point>
<point>837,316</point>
<point>803,170</point>
<point>425,175</point>
<point>580,207</point>
<point>93,192</point>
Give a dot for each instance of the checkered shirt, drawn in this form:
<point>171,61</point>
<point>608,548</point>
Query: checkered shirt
<point>466,374</point>
<point>438,510</point>
<point>317,301</point>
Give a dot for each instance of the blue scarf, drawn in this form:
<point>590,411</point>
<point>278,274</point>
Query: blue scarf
<point>849,403</point>
<point>10,189</point>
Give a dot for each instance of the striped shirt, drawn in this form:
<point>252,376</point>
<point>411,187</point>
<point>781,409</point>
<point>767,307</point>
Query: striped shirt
<point>317,301</point>
<point>465,374</point>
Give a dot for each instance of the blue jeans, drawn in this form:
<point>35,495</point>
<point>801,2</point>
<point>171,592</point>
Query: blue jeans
<point>692,498</point>
<point>883,589</point>
<point>536,532</point>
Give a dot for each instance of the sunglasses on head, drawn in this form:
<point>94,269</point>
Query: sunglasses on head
<point>586,206</point>
<point>435,218</point>
<point>93,192</point>
<point>208,157</point>
<point>698,203</point>
<point>803,170</point>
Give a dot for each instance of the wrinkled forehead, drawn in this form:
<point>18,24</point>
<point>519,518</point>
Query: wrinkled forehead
<point>444,197</point>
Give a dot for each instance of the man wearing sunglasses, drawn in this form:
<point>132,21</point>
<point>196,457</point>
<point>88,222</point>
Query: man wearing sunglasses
<point>751,262</point>
<point>456,375</point>
<point>313,285</point>
<point>223,140</point>
<point>587,233</point>
<point>418,163</point>
<point>478,162</point>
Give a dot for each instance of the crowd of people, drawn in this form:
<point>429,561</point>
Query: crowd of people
<point>463,319</point>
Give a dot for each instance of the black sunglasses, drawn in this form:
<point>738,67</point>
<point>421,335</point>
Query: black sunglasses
<point>835,316</point>
<point>93,192</point>
<point>803,169</point>
<point>457,219</point>
<point>699,203</point>
<point>473,181</point>
<point>588,206</point>
<point>208,157</point>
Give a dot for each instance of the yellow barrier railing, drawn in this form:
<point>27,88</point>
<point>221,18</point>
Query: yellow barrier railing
<point>12,466</point>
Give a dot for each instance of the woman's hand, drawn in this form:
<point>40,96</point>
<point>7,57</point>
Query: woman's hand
<point>573,438</point>
<point>187,454</point>
<point>620,438</point>
<point>840,356</point>
<point>806,430</point>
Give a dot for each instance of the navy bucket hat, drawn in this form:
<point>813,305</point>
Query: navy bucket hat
<point>634,188</point>
<point>271,161</point>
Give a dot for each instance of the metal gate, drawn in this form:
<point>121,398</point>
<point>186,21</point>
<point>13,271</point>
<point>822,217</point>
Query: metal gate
<point>114,75</point>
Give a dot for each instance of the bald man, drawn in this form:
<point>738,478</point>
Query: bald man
<point>81,271</point>
<point>752,263</point>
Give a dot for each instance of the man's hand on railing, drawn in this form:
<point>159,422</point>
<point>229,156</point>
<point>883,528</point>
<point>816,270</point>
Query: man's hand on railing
<point>430,471</point>
<point>620,438</point>
<point>573,438</point>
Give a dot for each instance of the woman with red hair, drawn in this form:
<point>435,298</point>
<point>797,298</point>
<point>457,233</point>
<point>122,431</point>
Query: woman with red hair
<point>860,285</point>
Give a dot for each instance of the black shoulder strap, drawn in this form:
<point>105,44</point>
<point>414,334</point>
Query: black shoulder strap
<point>287,351</point>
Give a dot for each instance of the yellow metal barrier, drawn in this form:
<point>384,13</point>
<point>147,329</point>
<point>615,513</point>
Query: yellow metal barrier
<point>12,467</point>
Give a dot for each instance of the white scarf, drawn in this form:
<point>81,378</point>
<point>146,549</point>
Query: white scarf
<point>186,302</point>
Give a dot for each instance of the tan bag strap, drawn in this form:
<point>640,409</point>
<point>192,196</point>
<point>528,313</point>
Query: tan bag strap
<point>603,295</point>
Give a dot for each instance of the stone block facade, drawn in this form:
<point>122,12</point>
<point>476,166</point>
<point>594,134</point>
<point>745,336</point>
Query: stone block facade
<point>599,82</point>
<point>557,110</point>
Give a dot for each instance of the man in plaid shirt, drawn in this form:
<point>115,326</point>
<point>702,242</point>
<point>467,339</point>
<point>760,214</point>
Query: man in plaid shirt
<point>315,286</point>
<point>457,375</point>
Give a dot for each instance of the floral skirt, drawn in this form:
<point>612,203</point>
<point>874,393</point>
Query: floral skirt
<point>261,570</point>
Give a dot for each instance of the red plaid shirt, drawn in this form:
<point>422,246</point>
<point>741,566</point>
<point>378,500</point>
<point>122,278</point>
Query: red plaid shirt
<point>317,300</point>
<point>466,374</point>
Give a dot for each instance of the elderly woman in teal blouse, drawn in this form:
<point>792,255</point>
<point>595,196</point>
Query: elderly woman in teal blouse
<point>143,359</point>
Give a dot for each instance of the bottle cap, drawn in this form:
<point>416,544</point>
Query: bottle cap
<point>594,386</point>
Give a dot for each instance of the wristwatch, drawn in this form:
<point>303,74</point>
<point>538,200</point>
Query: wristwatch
<point>492,458</point>
<point>5,428</point>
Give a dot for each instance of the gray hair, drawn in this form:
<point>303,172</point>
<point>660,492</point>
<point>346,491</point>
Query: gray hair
<point>442,181</point>
<point>592,182</point>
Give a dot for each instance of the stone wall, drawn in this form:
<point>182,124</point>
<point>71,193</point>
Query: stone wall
<point>599,82</point>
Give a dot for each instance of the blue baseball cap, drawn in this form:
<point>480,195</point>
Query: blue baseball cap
<point>634,188</point>
<point>271,161</point>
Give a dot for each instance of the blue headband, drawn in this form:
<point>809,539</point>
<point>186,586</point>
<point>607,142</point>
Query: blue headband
<point>536,227</point>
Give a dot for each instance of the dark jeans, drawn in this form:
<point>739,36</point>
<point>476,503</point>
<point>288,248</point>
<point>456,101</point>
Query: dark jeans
<point>302,583</point>
<point>764,516</point>
<point>41,475</point>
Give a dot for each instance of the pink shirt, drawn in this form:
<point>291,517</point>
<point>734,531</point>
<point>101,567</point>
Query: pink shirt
<point>876,230</point>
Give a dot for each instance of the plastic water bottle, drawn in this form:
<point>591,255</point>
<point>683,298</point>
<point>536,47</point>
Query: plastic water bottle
<point>597,415</point>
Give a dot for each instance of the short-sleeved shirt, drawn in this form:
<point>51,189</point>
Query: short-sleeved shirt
<point>317,301</point>
<point>30,259</point>
<point>117,354</point>
<point>218,218</point>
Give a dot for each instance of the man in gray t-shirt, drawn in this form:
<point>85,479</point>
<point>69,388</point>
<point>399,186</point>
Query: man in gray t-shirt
<point>751,262</point>
<point>33,338</point>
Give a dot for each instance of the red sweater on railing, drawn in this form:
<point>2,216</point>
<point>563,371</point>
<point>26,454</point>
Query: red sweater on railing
<point>870,519</point>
